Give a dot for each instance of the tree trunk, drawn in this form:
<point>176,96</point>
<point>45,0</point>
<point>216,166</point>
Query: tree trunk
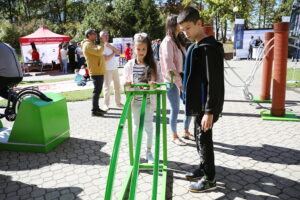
<point>225,32</point>
<point>65,10</point>
<point>259,13</point>
<point>222,32</point>
<point>265,13</point>
<point>11,16</point>
<point>217,28</point>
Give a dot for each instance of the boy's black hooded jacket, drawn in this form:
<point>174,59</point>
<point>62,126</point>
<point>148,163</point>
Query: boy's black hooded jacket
<point>203,82</point>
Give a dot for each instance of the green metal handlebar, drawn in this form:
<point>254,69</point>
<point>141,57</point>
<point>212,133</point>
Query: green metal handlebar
<point>154,85</point>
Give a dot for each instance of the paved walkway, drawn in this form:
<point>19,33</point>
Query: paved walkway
<point>255,159</point>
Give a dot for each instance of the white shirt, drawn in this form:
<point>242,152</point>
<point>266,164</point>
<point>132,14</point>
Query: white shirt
<point>79,52</point>
<point>64,54</point>
<point>113,63</point>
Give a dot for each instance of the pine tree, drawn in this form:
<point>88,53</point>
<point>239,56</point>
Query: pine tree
<point>148,20</point>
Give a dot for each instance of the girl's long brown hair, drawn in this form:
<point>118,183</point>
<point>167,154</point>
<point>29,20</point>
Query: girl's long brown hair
<point>171,24</point>
<point>149,58</point>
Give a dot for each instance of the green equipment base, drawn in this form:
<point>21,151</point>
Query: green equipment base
<point>39,127</point>
<point>259,100</point>
<point>289,116</point>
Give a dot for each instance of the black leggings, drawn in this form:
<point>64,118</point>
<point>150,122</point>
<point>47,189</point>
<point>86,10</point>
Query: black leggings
<point>6,83</point>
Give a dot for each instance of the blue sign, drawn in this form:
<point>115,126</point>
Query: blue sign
<point>238,36</point>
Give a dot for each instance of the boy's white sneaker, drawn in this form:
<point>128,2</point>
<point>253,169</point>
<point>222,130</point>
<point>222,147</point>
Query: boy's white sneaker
<point>149,157</point>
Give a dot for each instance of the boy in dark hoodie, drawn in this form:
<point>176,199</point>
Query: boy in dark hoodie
<point>203,93</point>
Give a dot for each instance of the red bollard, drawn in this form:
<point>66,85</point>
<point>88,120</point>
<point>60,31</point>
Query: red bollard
<point>208,30</point>
<point>267,67</point>
<point>281,35</point>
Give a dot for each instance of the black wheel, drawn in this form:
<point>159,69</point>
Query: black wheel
<point>25,94</point>
<point>10,114</point>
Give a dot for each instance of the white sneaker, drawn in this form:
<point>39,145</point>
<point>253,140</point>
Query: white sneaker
<point>105,108</point>
<point>120,105</point>
<point>149,157</point>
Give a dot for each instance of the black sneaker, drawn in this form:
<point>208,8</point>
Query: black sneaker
<point>203,185</point>
<point>195,175</point>
<point>97,113</point>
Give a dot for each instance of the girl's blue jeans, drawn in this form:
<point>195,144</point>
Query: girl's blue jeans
<point>174,100</point>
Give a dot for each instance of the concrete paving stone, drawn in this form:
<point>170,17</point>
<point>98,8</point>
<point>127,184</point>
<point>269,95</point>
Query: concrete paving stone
<point>38,192</point>
<point>23,191</point>
<point>12,198</point>
<point>24,197</point>
<point>292,192</point>
<point>47,174</point>
<point>250,179</point>
<point>39,198</point>
<point>49,184</point>
<point>68,196</point>
<point>2,195</point>
<point>254,197</point>
<point>11,187</point>
<point>11,194</point>
<point>64,191</point>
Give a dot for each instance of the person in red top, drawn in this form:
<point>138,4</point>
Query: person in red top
<point>59,56</point>
<point>128,52</point>
<point>35,55</point>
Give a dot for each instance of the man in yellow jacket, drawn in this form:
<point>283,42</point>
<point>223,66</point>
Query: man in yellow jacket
<point>96,66</point>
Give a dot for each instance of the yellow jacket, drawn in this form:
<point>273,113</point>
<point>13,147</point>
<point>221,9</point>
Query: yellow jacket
<point>94,59</point>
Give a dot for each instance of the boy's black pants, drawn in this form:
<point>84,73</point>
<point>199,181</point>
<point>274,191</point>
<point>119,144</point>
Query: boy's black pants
<point>205,148</point>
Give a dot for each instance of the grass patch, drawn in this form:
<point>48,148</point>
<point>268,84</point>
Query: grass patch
<point>23,83</point>
<point>72,96</point>
<point>3,102</point>
<point>79,95</point>
<point>293,77</point>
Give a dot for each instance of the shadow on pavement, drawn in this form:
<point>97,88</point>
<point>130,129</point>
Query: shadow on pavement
<point>246,101</point>
<point>266,153</point>
<point>73,151</point>
<point>240,114</point>
<point>17,190</point>
<point>235,183</point>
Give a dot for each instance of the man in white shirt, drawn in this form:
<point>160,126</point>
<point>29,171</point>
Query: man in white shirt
<point>80,56</point>
<point>111,73</point>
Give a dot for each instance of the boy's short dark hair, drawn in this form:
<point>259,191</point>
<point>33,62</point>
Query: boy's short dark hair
<point>188,14</point>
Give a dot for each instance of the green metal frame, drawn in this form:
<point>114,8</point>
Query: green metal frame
<point>160,90</point>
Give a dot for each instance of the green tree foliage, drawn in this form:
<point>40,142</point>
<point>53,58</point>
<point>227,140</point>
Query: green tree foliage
<point>170,6</point>
<point>264,9</point>
<point>148,20</point>
<point>123,18</point>
<point>285,9</point>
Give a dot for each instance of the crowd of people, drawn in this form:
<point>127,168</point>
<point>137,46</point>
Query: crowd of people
<point>198,81</point>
